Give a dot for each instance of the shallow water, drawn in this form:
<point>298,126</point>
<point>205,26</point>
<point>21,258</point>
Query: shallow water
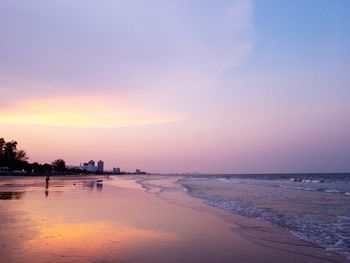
<point>315,208</point>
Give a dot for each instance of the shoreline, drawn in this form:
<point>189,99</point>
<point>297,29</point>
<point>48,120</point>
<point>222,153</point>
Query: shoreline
<point>168,226</point>
<point>281,236</point>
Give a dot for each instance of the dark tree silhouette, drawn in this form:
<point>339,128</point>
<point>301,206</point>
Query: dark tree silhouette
<point>2,146</point>
<point>11,157</point>
<point>47,167</point>
<point>59,165</point>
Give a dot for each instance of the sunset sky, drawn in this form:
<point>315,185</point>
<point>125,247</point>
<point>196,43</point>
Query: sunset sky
<point>229,86</point>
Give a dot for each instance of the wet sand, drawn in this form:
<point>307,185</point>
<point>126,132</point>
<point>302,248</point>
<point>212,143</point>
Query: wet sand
<point>78,220</point>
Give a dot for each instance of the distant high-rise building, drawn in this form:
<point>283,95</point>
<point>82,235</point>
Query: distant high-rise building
<point>91,166</point>
<point>116,170</point>
<point>100,166</point>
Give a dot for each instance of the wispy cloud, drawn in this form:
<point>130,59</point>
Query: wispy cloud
<point>119,44</point>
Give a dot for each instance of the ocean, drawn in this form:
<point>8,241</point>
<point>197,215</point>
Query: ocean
<point>313,207</point>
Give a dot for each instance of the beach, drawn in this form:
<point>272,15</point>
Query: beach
<point>134,219</point>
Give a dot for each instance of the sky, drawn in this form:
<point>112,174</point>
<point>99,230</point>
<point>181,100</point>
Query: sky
<point>229,86</point>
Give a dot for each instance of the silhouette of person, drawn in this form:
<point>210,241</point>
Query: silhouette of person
<point>47,181</point>
<point>47,186</point>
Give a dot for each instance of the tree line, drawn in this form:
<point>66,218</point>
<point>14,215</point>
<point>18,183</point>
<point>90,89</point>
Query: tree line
<point>13,159</point>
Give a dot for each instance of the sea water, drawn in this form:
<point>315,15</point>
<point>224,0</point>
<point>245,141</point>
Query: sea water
<point>314,207</point>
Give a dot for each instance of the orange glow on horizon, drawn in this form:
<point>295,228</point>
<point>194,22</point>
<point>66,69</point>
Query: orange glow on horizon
<point>88,111</point>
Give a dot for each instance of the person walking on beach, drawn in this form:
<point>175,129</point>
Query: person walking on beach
<point>47,186</point>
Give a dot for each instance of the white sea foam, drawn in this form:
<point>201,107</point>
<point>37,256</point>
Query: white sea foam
<point>332,191</point>
<point>225,180</point>
<point>304,214</point>
<point>299,187</point>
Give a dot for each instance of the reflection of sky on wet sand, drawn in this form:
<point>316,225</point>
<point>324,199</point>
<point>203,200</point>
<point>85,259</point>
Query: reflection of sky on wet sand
<point>78,220</point>
<point>91,239</point>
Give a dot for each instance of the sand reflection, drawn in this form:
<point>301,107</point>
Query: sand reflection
<point>92,239</point>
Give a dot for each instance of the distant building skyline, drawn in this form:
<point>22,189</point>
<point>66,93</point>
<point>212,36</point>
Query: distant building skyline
<point>88,166</point>
<point>91,166</point>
